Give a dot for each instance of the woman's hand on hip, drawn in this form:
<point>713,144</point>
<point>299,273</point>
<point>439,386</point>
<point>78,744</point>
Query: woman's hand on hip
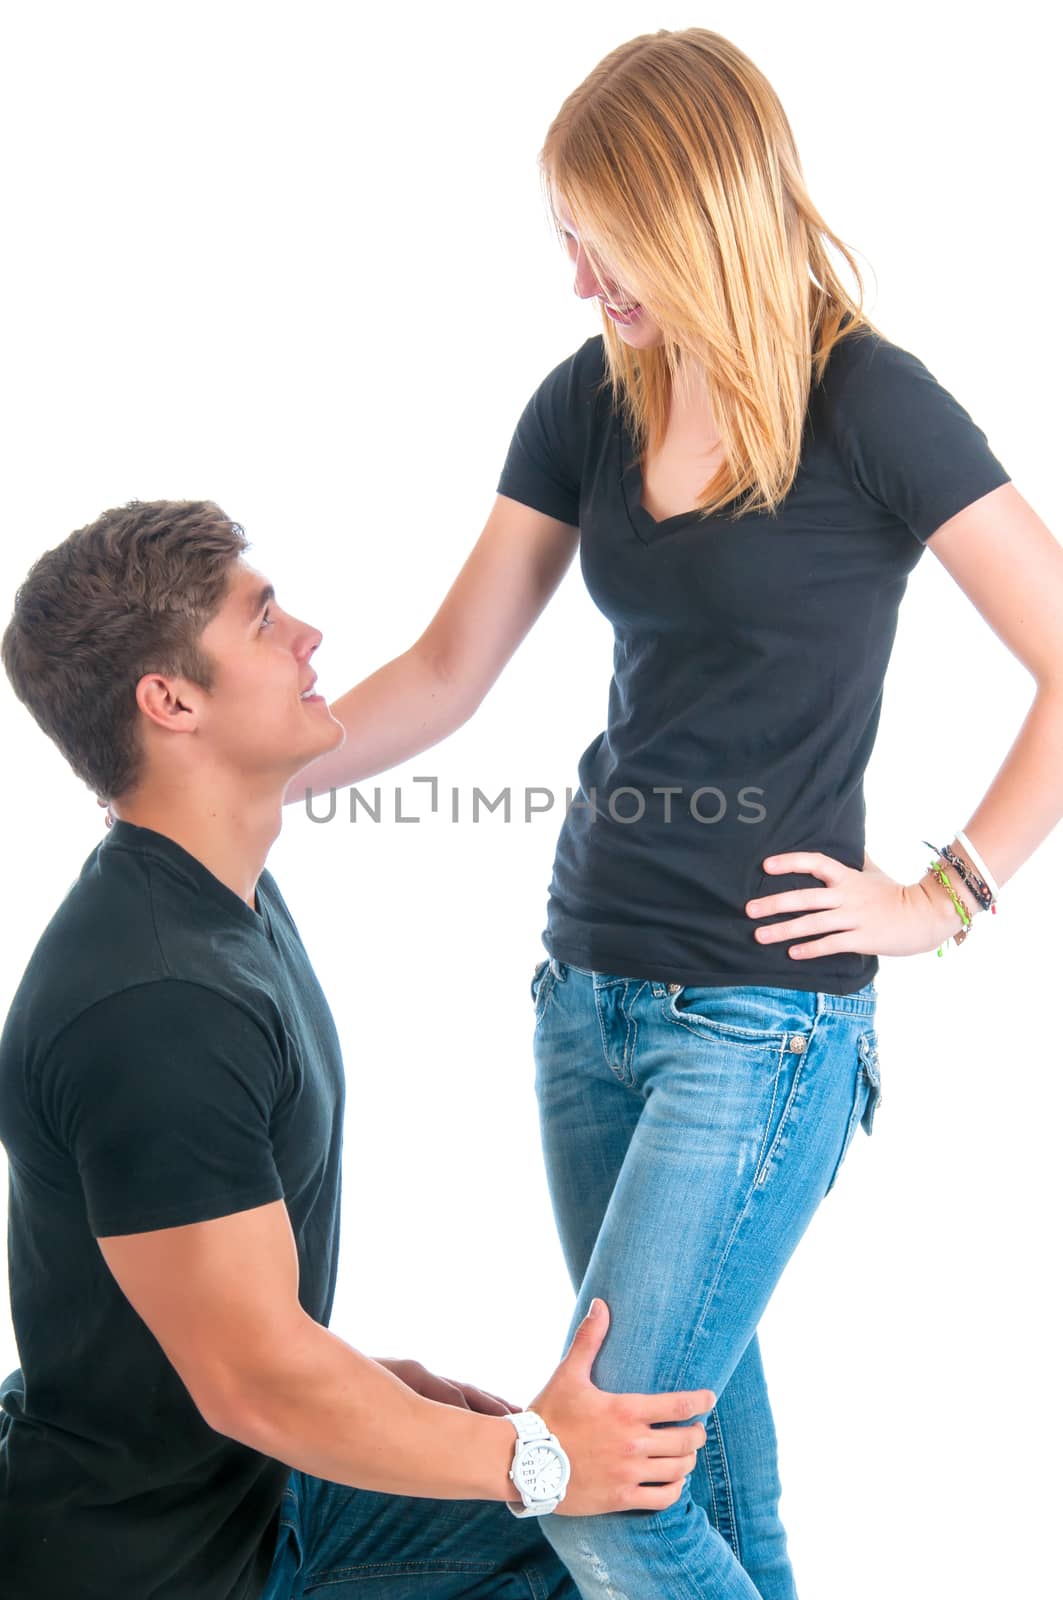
<point>857,909</point>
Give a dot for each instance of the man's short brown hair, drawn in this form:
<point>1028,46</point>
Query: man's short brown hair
<point>129,594</point>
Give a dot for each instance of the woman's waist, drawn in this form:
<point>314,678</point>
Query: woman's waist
<point>702,826</point>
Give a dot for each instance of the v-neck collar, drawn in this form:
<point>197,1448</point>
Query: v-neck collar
<point>131,836</point>
<point>645,526</point>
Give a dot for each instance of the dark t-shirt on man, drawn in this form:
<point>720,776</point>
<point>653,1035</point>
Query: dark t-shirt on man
<point>748,663</point>
<point>168,1058</point>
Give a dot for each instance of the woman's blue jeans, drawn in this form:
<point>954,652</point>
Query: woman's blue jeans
<point>689,1135</point>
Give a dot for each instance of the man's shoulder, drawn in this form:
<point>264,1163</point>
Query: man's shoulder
<point>128,926</point>
<point>99,937</point>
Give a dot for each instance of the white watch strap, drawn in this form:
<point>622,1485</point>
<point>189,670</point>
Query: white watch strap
<point>542,1509</point>
<point>529,1425</point>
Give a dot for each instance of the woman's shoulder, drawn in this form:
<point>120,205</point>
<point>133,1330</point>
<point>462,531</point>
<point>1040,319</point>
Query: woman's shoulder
<point>554,433</point>
<point>864,360</point>
<point>906,438</point>
<point>572,398</point>
<point>871,382</point>
<point>579,373</point>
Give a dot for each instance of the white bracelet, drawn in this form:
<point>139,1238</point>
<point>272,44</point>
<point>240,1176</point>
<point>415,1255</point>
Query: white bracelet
<point>990,881</point>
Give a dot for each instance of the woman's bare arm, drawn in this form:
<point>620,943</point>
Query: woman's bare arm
<point>420,697</point>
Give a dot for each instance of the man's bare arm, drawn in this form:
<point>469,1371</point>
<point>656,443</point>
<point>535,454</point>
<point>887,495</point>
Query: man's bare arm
<point>221,1298</point>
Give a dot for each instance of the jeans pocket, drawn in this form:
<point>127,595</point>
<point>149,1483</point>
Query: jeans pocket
<point>735,1014</point>
<point>541,984</point>
<point>866,1096</point>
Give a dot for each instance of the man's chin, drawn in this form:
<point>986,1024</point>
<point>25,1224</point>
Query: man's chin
<point>327,738</point>
<point>340,732</point>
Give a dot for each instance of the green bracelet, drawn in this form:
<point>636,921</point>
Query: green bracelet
<point>965,917</point>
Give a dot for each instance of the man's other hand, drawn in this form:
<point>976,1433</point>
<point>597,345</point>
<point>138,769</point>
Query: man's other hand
<point>446,1390</point>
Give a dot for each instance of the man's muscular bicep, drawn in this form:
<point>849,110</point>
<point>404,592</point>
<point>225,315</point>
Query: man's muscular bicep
<point>221,1297</point>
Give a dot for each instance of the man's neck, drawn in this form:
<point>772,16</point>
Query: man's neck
<point>229,830</point>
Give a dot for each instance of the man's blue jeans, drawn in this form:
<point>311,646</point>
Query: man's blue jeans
<point>689,1135</point>
<point>338,1543</point>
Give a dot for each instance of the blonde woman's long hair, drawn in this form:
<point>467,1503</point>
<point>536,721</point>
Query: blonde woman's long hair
<point>680,169</point>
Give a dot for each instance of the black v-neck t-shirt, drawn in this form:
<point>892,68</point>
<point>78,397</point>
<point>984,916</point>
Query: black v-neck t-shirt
<point>748,662</point>
<point>168,1058</point>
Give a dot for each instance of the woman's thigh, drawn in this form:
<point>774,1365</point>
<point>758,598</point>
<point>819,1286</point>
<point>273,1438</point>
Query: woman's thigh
<point>738,1105</point>
<point>689,1138</point>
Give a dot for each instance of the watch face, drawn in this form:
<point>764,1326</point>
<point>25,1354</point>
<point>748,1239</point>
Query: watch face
<point>540,1471</point>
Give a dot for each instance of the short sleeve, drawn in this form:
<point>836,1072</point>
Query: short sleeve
<point>909,443</point>
<point>543,465</point>
<point>163,1096</point>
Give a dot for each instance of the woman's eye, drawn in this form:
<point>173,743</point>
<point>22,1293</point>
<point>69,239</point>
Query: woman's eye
<point>267,621</point>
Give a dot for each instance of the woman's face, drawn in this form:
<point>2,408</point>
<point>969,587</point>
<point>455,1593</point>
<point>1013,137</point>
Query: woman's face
<point>634,324</point>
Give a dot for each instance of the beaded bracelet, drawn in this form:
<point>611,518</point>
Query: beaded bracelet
<point>979,863</point>
<point>981,890</point>
<point>982,893</point>
<point>961,906</point>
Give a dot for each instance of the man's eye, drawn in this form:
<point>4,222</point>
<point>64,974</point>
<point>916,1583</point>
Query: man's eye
<point>267,621</point>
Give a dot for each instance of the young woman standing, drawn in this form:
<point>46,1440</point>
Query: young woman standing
<point>750,471</point>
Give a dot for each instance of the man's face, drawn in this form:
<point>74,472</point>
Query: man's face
<point>258,719</point>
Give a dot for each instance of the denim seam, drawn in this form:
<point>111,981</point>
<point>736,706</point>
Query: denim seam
<point>764,1151</point>
<point>867,1048</point>
<point>712,1487</point>
<point>732,1518</point>
<point>761,1176</point>
<point>677,1567</point>
<point>328,1575</point>
<point>542,998</point>
<point>700,1026</point>
<point>632,1034</point>
<point>536,1589</point>
<point>680,1381</point>
<point>620,1072</point>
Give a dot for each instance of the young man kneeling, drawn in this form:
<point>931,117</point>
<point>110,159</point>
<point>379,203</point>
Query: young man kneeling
<point>183,1426</point>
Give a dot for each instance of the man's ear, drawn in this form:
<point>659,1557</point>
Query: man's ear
<point>170,703</point>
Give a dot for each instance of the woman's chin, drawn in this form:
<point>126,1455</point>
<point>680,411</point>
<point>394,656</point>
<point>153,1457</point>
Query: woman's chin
<point>641,335</point>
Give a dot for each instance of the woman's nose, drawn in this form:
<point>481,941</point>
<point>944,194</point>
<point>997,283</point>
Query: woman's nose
<point>586,284</point>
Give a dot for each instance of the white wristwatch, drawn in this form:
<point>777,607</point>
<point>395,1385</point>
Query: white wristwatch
<point>540,1467</point>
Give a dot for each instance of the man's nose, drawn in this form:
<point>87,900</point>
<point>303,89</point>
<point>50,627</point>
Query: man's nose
<point>307,640</point>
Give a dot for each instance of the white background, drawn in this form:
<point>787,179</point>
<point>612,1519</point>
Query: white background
<point>295,259</point>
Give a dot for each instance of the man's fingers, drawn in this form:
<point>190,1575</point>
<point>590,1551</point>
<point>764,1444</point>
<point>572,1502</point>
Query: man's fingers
<point>671,1469</point>
<point>507,1405</point>
<point>490,1404</point>
<point>675,1441</point>
<point>673,1407</point>
<point>476,1399</point>
<point>647,1498</point>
